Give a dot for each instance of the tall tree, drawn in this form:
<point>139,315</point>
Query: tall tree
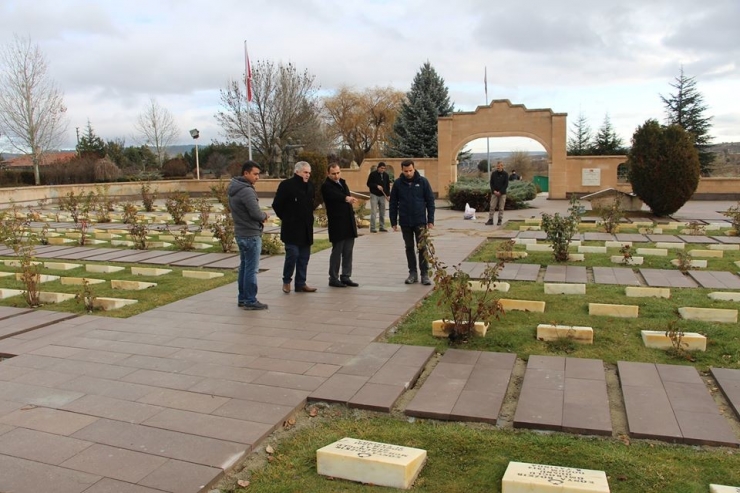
<point>90,144</point>
<point>363,120</point>
<point>581,140</point>
<point>663,166</point>
<point>416,125</point>
<point>284,107</point>
<point>686,108</point>
<point>607,142</point>
<point>156,128</point>
<point>31,106</point>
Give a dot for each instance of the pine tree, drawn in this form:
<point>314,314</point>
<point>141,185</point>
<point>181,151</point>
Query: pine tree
<point>416,126</point>
<point>581,141</point>
<point>607,142</point>
<point>90,145</point>
<point>686,108</point>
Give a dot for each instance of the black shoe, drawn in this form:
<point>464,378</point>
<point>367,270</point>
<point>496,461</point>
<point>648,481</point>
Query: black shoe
<point>337,284</point>
<point>411,279</point>
<point>498,223</point>
<point>255,306</point>
<point>425,280</point>
<point>383,230</point>
<point>489,222</point>
<point>373,231</point>
<point>240,304</point>
<point>350,283</point>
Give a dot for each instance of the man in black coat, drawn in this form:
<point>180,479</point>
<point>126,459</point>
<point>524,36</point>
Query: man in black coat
<point>342,227</point>
<point>293,204</point>
<point>499,185</point>
<point>379,185</point>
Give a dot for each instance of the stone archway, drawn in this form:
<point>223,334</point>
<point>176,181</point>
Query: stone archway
<point>503,119</point>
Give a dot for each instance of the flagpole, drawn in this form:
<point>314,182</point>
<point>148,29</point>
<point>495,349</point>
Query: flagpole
<point>488,143</point>
<point>248,83</point>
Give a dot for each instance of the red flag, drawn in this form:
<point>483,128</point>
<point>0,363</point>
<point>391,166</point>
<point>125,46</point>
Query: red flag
<point>247,73</point>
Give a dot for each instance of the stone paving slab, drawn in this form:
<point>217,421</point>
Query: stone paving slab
<point>633,237</point>
<point>697,239</point>
<point>30,320</point>
<point>116,256</point>
<point>146,254</point>
<point>519,272</point>
<point>728,381</point>
<point>623,276</point>
<point>203,259</point>
<point>662,278</point>
<point>715,279</point>
<point>84,252</point>
<point>169,259</point>
<point>671,403</point>
<point>564,394</point>
<point>592,236</point>
<point>227,263</point>
<point>9,311</point>
<point>537,235</point>
<point>664,238</point>
<point>728,240</point>
<point>566,273</point>
<point>464,386</point>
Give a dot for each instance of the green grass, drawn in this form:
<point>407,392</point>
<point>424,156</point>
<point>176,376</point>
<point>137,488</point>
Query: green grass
<point>472,458</point>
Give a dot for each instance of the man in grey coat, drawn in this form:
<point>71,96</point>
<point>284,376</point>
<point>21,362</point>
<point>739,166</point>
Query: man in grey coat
<point>249,221</point>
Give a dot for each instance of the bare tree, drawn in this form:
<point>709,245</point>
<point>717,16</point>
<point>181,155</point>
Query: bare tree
<point>284,106</point>
<point>157,128</point>
<point>31,106</point>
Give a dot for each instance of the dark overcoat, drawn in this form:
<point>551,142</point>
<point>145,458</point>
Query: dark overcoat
<point>340,213</point>
<point>293,204</point>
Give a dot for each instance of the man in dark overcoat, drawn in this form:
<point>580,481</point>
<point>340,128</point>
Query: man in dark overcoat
<point>342,227</point>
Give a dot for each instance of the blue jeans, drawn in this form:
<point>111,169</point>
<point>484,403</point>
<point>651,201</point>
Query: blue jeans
<point>296,260</point>
<point>250,248</point>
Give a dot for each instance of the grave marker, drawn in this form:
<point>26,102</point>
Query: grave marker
<point>521,477</point>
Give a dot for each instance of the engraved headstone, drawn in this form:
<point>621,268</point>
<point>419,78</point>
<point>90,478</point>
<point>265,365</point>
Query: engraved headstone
<point>521,477</point>
<point>371,462</point>
<point>718,488</point>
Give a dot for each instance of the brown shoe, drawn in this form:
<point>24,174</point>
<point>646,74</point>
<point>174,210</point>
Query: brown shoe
<point>305,289</point>
<point>286,288</point>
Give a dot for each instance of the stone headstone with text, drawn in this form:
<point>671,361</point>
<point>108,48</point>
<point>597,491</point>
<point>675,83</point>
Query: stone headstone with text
<point>521,477</point>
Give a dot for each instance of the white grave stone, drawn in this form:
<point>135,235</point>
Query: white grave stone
<point>371,462</point>
<point>521,477</point>
<point>718,488</point>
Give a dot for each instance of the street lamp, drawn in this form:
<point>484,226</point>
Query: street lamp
<point>195,134</point>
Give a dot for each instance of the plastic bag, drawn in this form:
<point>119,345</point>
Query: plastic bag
<point>469,212</point>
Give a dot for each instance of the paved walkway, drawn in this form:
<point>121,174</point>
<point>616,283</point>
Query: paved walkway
<point>169,399</point>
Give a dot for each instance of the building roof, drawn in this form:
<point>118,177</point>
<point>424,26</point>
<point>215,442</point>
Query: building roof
<point>23,162</point>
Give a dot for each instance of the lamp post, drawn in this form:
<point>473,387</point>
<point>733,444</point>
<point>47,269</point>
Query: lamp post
<point>195,134</point>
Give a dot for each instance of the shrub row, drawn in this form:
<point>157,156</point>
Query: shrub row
<point>477,193</point>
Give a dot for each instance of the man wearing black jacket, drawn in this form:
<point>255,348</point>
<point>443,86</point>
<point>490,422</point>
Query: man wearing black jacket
<point>412,207</point>
<point>380,188</point>
<point>499,185</point>
<point>293,204</point>
<point>342,227</point>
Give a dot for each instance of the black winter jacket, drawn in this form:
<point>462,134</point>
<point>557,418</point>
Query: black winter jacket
<point>374,179</point>
<point>412,202</point>
<point>340,213</point>
<point>293,204</point>
<point>499,181</point>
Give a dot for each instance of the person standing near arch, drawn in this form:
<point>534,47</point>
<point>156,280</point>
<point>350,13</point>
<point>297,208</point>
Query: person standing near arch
<point>499,185</point>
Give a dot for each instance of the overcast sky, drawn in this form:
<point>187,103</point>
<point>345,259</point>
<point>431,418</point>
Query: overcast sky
<point>573,56</point>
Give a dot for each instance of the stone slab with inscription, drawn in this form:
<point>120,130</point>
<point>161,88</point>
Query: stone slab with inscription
<point>718,488</point>
<point>521,477</point>
<point>376,463</point>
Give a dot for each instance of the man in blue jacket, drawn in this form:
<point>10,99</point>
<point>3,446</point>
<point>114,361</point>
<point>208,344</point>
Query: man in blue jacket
<point>412,207</point>
<point>248,224</point>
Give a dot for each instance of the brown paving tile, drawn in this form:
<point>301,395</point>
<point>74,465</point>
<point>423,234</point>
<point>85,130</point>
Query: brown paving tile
<point>585,368</point>
<point>116,463</point>
<point>274,364</point>
<point>290,381</point>
<point>729,382</point>
<point>261,412</point>
<point>544,379</point>
<point>322,370</point>
<point>38,396</point>
<point>182,477</point>
<point>416,356</point>
<point>706,429</point>
<point>436,398</point>
<point>376,397</point>
<point>40,446</point>
<point>199,356</point>
<point>348,348</point>
<point>48,420</point>
<point>6,428</point>
<point>452,371</point>
<point>98,356</point>
<point>501,361</point>
<point>480,406</point>
<point>586,406</point>
<point>537,362</point>
<point>107,485</point>
<point>162,379</point>
<point>99,386</point>
<point>226,372</point>
<point>397,374</point>
<point>7,407</point>
<point>539,409</point>
<point>338,388</point>
<point>460,356</point>
<point>309,345</point>
<point>638,374</point>
<point>56,351</point>
<point>21,475</point>
<point>234,430</point>
<point>98,370</point>
<point>9,372</point>
<point>262,393</point>
<point>688,397</point>
<point>31,361</point>
<point>488,380</point>
<point>164,443</point>
<point>110,408</point>
<point>44,378</point>
<point>649,413</point>
<point>678,373</point>
<point>187,401</point>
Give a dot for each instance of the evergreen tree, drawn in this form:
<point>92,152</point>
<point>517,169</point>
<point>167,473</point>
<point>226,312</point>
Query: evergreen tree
<point>580,142</point>
<point>686,108</point>
<point>90,145</point>
<point>607,142</point>
<point>663,166</point>
<point>416,126</point>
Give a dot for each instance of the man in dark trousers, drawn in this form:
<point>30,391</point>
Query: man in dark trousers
<point>379,185</point>
<point>248,223</point>
<point>412,206</point>
<point>499,184</point>
<point>342,227</point>
<point>293,204</point>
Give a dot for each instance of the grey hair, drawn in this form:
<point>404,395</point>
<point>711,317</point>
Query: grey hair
<point>300,165</point>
